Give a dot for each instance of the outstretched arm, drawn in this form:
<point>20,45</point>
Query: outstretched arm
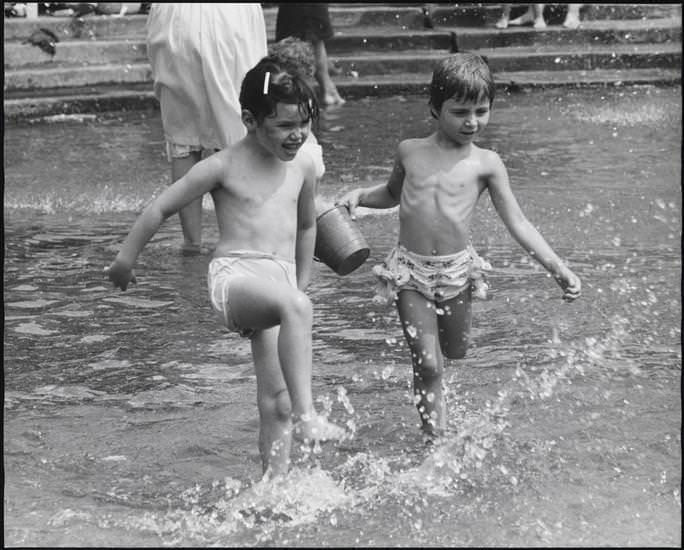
<point>384,195</point>
<point>525,233</point>
<point>199,180</point>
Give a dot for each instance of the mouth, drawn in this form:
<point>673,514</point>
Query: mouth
<point>292,147</point>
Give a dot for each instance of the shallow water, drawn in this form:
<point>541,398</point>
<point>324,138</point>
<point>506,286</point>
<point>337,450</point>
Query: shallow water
<point>130,418</point>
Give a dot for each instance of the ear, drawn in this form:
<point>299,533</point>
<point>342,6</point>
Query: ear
<point>433,111</point>
<point>249,120</point>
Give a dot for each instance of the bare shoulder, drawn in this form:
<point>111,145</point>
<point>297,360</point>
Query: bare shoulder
<point>412,145</point>
<point>489,160</point>
<point>305,162</point>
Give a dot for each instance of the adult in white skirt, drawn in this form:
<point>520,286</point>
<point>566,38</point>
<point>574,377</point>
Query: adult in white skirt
<point>199,55</point>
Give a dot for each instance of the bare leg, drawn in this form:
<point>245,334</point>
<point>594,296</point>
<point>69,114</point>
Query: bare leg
<point>534,15</point>
<point>261,304</point>
<point>329,93</point>
<point>275,424</point>
<point>191,215</point>
<point>454,325</point>
<point>538,11</point>
<point>419,322</point>
<point>572,18</point>
<point>502,23</point>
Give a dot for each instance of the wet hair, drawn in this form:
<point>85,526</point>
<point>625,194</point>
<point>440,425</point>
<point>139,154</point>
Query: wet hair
<point>463,77</point>
<point>294,54</point>
<point>269,83</point>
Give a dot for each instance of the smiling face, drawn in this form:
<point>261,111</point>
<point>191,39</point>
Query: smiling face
<point>461,121</point>
<point>283,132</point>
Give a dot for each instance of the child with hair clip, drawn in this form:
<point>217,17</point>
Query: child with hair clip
<point>263,191</point>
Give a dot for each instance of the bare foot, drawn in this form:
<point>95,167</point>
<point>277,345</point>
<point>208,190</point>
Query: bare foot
<point>571,22</point>
<point>502,23</point>
<point>525,19</point>
<point>313,427</point>
<point>332,98</point>
<point>539,23</point>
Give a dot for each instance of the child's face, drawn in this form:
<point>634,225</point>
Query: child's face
<point>284,132</point>
<point>462,121</point>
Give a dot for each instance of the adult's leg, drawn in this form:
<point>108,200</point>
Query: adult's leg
<point>419,323</point>
<point>191,215</point>
<point>534,15</point>
<point>261,304</point>
<point>502,23</point>
<point>572,18</point>
<point>273,400</point>
<point>329,93</point>
<point>454,325</point>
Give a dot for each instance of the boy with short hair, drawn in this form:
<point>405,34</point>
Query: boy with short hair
<point>263,191</point>
<point>433,271</point>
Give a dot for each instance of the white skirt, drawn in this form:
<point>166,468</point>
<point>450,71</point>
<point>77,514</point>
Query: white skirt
<point>199,55</point>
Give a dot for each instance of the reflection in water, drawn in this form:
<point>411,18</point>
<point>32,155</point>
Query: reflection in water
<point>130,418</point>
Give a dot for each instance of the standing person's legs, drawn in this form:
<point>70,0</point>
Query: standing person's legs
<point>502,23</point>
<point>329,93</point>
<point>419,323</point>
<point>534,15</point>
<point>572,18</point>
<point>191,215</point>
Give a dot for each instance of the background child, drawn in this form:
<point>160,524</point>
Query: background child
<point>297,56</point>
<point>433,271</point>
<point>263,191</point>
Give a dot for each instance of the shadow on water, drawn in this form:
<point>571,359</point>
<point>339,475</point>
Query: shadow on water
<point>130,418</point>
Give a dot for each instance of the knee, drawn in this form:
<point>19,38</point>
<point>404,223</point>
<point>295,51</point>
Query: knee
<point>427,366</point>
<point>299,306</point>
<point>276,407</point>
<point>283,405</point>
<point>456,346</point>
<point>457,351</point>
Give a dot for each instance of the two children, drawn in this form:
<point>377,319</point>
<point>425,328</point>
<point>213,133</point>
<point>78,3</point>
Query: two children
<point>263,190</point>
<point>433,271</point>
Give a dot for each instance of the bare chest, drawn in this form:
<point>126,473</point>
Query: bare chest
<point>428,185</point>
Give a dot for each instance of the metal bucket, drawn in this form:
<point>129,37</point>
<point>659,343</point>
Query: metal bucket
<point>339,243</point>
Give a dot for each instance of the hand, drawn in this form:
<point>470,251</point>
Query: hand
<point>571,285</point>
<point>120,274</point>
<point>350,200</point>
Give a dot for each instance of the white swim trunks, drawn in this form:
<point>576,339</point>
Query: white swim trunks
<point>244,263</point>
<point>438,278</point>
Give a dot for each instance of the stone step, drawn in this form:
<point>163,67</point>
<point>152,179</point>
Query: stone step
<point>519,58</point>
<point>96,99</point>
<point>381,39</point>
<point>343,16</point>
<point>485,14</point>
<point>523,58</point>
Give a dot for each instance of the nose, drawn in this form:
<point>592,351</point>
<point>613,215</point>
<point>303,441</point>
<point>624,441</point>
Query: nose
<point>471,121</point>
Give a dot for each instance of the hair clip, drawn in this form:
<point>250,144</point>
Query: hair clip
<point>267,77</point>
